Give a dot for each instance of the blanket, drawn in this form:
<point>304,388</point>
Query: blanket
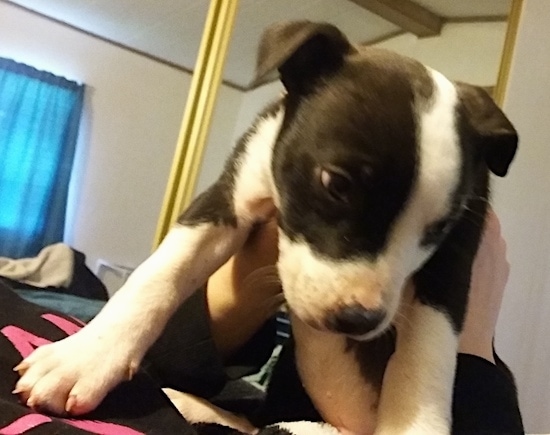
<point>52,267</point>
<point>135,407</point>
<point>57,268</point>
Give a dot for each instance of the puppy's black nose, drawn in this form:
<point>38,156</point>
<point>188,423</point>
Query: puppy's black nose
<point>354,320</point>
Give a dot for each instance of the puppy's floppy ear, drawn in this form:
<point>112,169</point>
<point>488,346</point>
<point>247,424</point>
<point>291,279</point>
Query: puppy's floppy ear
<point>302,51</point>
<point>497,137</point>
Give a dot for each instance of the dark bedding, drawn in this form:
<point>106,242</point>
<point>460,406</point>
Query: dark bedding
<point>132,408</point>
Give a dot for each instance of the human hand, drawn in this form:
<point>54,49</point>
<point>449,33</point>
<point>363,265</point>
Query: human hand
<point>245,291</point>
<point>489,276</point>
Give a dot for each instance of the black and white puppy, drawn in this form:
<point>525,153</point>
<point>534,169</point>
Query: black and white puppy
<point>377,168</point>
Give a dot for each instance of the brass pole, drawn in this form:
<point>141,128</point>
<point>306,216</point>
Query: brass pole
<point>508,51</point>
<point>198,113</point>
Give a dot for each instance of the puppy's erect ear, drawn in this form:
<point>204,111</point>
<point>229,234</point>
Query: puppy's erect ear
<point>302,51</point>
<point>497,136</point>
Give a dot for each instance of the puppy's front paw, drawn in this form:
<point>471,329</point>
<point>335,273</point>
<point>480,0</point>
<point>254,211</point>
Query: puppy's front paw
<point>72,376</point>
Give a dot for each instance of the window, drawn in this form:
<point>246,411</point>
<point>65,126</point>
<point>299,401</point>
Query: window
<point>39,119</point>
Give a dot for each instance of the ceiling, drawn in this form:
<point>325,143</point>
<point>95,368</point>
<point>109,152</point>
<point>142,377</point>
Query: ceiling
<point>170,30</point>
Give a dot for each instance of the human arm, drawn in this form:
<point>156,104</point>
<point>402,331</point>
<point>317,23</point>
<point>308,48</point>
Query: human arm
<point>489,276</point>
<point>485,397</point>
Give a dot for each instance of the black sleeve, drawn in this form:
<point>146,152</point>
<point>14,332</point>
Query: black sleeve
<point>485,399</point>
<point>132,407</point>
<point>185,357</point>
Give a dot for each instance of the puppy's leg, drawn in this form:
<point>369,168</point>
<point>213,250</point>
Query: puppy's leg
<point>418,383</point>
<point>75,374</point>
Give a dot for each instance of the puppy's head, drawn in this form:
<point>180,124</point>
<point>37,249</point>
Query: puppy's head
<point>374,162</point>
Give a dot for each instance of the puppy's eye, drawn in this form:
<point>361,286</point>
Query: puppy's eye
<point>338,184</point>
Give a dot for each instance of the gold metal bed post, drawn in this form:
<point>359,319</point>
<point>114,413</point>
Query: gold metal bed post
<point>198,113</point>
<point>508,51</point>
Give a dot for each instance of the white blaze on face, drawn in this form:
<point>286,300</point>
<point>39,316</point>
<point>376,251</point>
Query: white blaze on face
<point>315,285</point>
<point>438,175</point>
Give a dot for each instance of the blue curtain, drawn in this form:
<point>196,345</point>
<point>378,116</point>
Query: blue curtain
<point>39,119</point>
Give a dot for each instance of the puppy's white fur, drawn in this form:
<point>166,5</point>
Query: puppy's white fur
<point>417,390</point>
<point>419,384</point>
<point>66,376</point>
<point>308,428</point>
<point>314,284</point>
<point>136,315</point>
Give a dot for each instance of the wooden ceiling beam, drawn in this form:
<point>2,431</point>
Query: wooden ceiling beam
<point>406,14</point>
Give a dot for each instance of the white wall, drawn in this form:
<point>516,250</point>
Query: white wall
<point>469,52</point>
<point>523,202</point>
<point>129,129</point>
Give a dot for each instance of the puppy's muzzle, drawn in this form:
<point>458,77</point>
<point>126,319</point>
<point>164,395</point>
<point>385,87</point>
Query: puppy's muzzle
<point>355,320</point>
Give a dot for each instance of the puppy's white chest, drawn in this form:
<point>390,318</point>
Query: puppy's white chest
<point>332,378</point>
